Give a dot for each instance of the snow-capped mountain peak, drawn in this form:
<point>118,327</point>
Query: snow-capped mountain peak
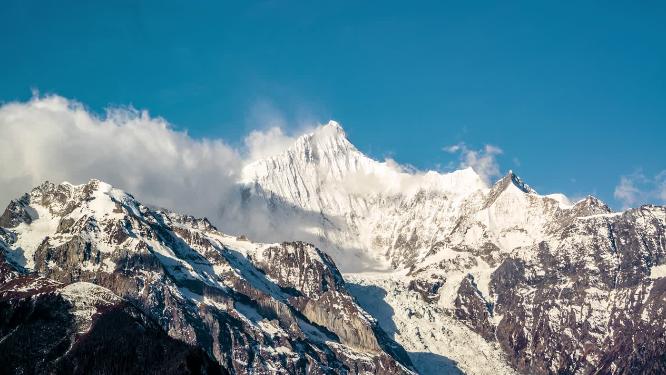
<point>331,131</point>
<point>519,183</point>
<point>352,205</point>
<point>326,144</point>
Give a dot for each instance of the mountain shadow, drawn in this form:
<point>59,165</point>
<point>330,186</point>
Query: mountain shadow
<point>372,299</point>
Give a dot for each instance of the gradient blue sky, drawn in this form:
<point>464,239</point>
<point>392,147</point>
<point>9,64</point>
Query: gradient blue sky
<point>573,92</point>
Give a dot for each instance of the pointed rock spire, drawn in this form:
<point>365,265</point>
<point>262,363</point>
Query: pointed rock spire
<point>504,183</point>
<point>329,139</point>
<point>519,183</point>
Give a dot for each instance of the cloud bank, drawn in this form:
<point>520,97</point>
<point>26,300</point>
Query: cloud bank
<point>52,138</point>
<point>56,139</point>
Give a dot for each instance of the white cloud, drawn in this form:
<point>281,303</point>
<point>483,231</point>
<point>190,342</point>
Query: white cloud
<point>636,189</point>
<point>483,161</point>
<point>388,177</point>
<point>52,138</point>
<point>261,144</point>
<point>661,185</point>
<point>268,137</point>
<point>627,192</point>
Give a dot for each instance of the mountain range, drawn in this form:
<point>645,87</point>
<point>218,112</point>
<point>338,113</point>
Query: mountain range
<point>344,265</point>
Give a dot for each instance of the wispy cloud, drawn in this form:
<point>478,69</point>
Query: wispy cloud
<point>483,161</point>
<point>269,136</point>
<point>637,188</point>
<point>264,143</point>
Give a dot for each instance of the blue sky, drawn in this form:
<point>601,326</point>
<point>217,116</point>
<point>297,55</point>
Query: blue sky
<point>574,93</point>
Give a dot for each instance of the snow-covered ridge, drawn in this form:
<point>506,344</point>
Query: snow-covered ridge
<point>390,216</point>
<point>326,157</point>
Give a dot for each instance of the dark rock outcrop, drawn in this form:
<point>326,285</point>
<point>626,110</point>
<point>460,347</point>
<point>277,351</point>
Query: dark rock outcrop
<point>41,333</point>
<point>473,309</point>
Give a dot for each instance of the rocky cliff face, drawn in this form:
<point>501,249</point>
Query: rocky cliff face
<point>594,289</point>
<point>251,308</point>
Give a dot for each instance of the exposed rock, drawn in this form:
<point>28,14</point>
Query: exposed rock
<point>254,308</point>
<point>16,213</point>
<point>473,309</point>
<point>47,327</point>
<point>576,306</point>
<point>427,288</point>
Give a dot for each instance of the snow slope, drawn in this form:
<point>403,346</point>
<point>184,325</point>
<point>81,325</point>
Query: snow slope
<point>437,343</point>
